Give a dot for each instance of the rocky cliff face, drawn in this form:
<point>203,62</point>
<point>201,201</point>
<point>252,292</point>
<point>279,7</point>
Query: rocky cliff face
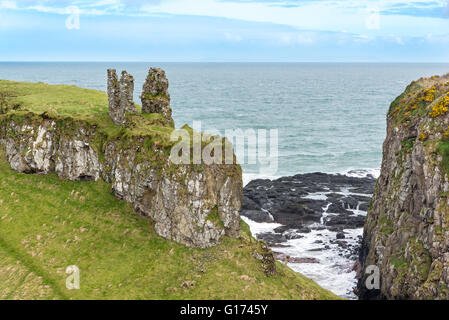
<point>195,205</point>
<point>407,229</point>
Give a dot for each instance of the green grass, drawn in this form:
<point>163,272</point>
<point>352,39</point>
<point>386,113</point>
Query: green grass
<point>48,224</point>
<point>407,145</point>
<point>71,103</point>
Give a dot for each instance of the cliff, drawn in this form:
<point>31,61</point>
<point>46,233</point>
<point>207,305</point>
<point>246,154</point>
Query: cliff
<point>67,130</point>
<point>406,233</point>
<point>48,223</point>
<point>57,209</point>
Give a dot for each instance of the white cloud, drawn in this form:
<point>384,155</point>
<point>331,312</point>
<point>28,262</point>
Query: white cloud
<point>356,17</point>
<point>334,15</point>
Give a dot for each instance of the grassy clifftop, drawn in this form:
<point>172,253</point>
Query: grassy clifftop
<point>426,98</point>
<point>48,223</point>
<point>71,103</point>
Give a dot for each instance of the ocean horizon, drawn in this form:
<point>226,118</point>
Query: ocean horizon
<point>330,117</point>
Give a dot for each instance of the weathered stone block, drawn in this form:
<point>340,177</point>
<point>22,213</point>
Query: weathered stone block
<point>120,95</point>
<point>155,97</point>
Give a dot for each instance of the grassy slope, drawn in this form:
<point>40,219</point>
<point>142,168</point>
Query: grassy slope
<point>47,224</point>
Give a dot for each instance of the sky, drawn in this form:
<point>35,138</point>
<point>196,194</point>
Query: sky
<point>225,30</point>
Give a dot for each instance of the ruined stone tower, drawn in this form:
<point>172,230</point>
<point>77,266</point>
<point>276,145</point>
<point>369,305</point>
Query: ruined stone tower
<point>155,97</point>
<point>120,95</point>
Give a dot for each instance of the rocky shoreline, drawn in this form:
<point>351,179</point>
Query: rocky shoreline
<point>320,214</point>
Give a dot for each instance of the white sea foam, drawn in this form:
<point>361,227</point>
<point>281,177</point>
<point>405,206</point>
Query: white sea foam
<point>361,173</point>
<point>334,270</point>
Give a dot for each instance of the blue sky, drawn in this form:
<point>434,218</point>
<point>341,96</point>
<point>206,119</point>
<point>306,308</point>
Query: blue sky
<point>225,30</point>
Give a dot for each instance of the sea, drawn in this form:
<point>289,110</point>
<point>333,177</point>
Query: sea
<point>323,117</point>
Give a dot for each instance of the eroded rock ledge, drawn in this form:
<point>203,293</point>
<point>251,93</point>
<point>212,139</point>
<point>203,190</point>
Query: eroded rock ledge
<point>195,205</point>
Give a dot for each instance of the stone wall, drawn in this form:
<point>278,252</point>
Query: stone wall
<point>155,97</point>
<point>120,96</point>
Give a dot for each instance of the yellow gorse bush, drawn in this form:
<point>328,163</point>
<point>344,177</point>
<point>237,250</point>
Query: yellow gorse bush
<point>441,107</point>
<point>423,137</point>
<point>429,94</point>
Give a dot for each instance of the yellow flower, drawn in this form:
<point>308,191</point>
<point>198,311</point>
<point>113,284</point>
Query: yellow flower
<point>441,107</point>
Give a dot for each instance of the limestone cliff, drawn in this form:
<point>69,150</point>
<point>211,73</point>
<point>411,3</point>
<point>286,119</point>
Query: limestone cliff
<point>407,229</point>
<point>195,205</point>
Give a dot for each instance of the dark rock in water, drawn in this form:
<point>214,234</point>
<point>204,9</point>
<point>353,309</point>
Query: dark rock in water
<point>286,198</point>
<point>272,238</point>
<point>291,235</point>
<point>350,202</point>
<point>304,230</point>
<point>298,204</point>
<point>281,229</point>
<point>303,260</point>
<point>249,204</point>
<point>284,258</point>
<point>338,208</point>
<point>346,221</point>
<point>258,216</point>
<point>341,235</point>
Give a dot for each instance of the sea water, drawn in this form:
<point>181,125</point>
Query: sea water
<point>330,117</point>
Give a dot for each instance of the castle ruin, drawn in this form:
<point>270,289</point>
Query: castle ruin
<point>120,95</point>
<point>155,97</point>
